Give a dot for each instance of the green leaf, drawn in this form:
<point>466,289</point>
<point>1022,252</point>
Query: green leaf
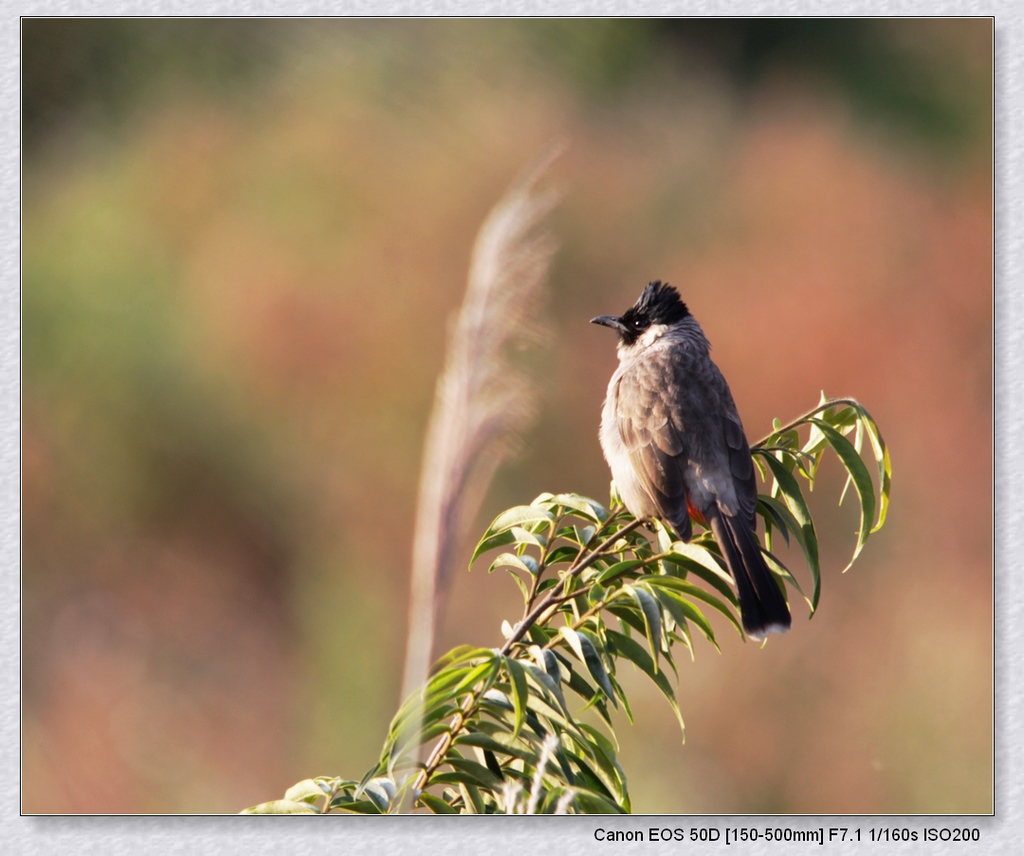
<point>636,654</point>
<point>664,537</point>
<point>583,506</point>
<point>552,797</point>
<point>563,553</point>
<point>432,732</point>
<point>495,707</point>
<point>355,806</point>
<point>623,607</point>
<point>440,685</point>
<point>547,684</point>
<point>519,691</point>
<point>547,661</point>
<point>523,587</point>
<point>770,507</point>
<point>526,537</point>
<point>491,762</point>
<point>617,570</point>
<point>473,773</point>
<point>510,560</point>
<point>690,568</point>
<point>306,791</point>
<point>687,589</point>
<point>542,634</point>
<point>592,803</point>
<point>460,654</point>
<point>281,807</point>
<point>781,571</point>
<point>584,534</point>
<point>522,517</point>
<point>486,671</point>
<point>622,697</point>
<point>585,650</point>
<point>489,543</point>
<point>401,737</point>
<point>858,473</point>
<point>881,452</point>
<point>542,703</point>
<point>500,744</point>
<point>787,486</point>
<point>579,685</point>
<point>705,561</point>
<point>471,798</point>
<point>380,791</point>
<point>652,618</point>
<point>604,756</point>
<point>435,803</point>
<point>771,510</point>
<point>683,610</point>
<point>415,711</point>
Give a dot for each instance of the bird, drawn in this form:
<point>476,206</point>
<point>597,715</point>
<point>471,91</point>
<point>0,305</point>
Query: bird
<point>674,442</point>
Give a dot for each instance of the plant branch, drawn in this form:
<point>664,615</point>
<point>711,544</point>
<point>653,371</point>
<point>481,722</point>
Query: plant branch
<point>582,563</point>
<point>575,570</point>
<point>596,608</point>
<point>825,405</point>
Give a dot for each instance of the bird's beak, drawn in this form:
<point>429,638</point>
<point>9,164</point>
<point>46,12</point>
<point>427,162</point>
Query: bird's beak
<point>612,321</point>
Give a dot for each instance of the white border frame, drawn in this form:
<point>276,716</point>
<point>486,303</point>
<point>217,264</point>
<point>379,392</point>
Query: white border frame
<point>1003,833</point>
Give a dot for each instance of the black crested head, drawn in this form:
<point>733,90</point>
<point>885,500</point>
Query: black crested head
<point>658,304</point>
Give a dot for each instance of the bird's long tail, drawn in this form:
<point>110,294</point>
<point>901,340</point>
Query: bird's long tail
<point>763,607</point>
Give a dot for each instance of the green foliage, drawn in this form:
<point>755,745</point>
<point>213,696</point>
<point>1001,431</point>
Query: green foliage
<point>527,727</point>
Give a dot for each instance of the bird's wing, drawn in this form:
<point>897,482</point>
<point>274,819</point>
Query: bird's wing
<point>676,409</point>
<point>650,430</point>
<point>741,464</point>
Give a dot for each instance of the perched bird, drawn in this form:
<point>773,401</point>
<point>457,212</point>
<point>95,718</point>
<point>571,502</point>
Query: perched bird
<point>675,444</point>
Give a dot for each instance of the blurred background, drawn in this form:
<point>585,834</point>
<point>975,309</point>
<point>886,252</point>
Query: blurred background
<point>241,244</point>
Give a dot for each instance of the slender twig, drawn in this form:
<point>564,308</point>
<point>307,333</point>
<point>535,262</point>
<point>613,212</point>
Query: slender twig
<point>596,608</point>
<point>445,742</point>
<point>331,795</point>
<point>541,562</point>
<point>825,405</point>
<point>579,622</point>
<point>575,570</point>
<point>534,583</point>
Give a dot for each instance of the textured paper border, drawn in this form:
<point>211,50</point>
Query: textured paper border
<point>567,835</point>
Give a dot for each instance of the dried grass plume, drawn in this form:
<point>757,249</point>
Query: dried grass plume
<point>482,401</point>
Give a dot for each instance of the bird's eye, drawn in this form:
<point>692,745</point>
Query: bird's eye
<point>641,323</point>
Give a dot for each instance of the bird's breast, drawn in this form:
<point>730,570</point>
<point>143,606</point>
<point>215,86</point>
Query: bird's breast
<point>630,487</point>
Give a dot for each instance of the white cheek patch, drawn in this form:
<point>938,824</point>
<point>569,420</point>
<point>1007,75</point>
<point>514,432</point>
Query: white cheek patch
<point>649,337</point>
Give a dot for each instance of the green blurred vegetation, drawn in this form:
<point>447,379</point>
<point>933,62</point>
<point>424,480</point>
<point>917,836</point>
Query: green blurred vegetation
<point>107,68</point>
<point>241,242</point>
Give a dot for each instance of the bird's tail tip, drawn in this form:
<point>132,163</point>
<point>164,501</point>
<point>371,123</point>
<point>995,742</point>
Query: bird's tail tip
<point>763,607</point>
<point>761,631</point>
